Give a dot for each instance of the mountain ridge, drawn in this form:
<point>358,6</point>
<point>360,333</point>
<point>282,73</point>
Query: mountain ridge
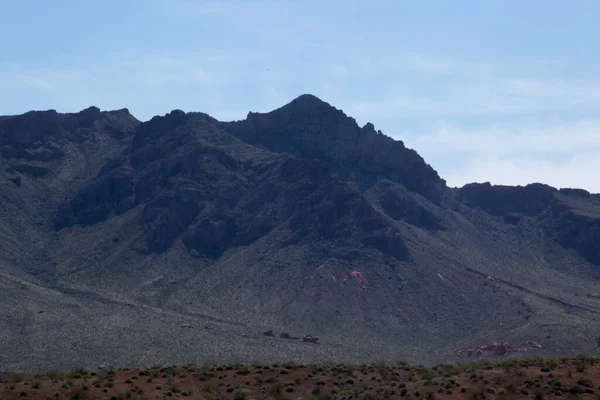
<point>297,220</point>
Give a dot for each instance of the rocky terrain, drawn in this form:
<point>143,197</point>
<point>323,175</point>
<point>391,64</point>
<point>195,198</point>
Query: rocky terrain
<point>185,239</point>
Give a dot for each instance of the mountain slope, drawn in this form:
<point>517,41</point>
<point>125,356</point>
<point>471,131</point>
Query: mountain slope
<point>296,221</point>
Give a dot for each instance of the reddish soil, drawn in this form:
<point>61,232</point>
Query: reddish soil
<point>515,379</point>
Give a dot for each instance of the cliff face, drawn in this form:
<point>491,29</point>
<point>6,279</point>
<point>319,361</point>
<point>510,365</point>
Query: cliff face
<point>194,182</point>
<point>568,216</point>
<point>574,222</point>
<point>297,220</point>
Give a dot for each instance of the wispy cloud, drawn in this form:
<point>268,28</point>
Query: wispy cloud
<point>562,154</point>
<point>147,84</point>
<point>572,92</point>
<point>25,81</point>
<point>572,172</point>
<point>490,97</point>
<point>559,138</point>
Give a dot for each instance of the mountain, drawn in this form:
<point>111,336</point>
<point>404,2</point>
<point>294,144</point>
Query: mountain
<point>186,239</point>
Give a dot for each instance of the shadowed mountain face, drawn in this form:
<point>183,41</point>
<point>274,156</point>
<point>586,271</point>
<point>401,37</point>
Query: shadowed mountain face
<point>115,233</point>
<point>312,129</point>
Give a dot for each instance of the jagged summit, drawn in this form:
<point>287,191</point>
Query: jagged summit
<point>301,107</point>
<point>309,103</point>
<point>308,99</point>
<point>94,110</point>
<point>304,103</point>
<point>311,128</point>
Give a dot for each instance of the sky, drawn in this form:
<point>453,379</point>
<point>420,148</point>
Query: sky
<point>500,91</point>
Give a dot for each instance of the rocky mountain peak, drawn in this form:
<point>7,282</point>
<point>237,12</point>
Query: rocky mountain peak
<point>309,103</point>
<point>308,127</point>
<point>305,109</point>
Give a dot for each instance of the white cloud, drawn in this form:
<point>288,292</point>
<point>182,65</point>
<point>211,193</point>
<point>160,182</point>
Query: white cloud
<point>561,138</point>
<point>147,84</point>
<point>564,154</point>
<point>25,80</point>
<point>580,91</point>
<point>574,172</point>
<point>490,97</point>
<point>392,107</point>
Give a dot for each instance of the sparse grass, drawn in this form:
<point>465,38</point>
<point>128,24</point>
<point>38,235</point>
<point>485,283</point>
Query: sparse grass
<point>533,378</point>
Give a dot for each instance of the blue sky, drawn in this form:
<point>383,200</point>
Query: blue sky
<point>500,91</point>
